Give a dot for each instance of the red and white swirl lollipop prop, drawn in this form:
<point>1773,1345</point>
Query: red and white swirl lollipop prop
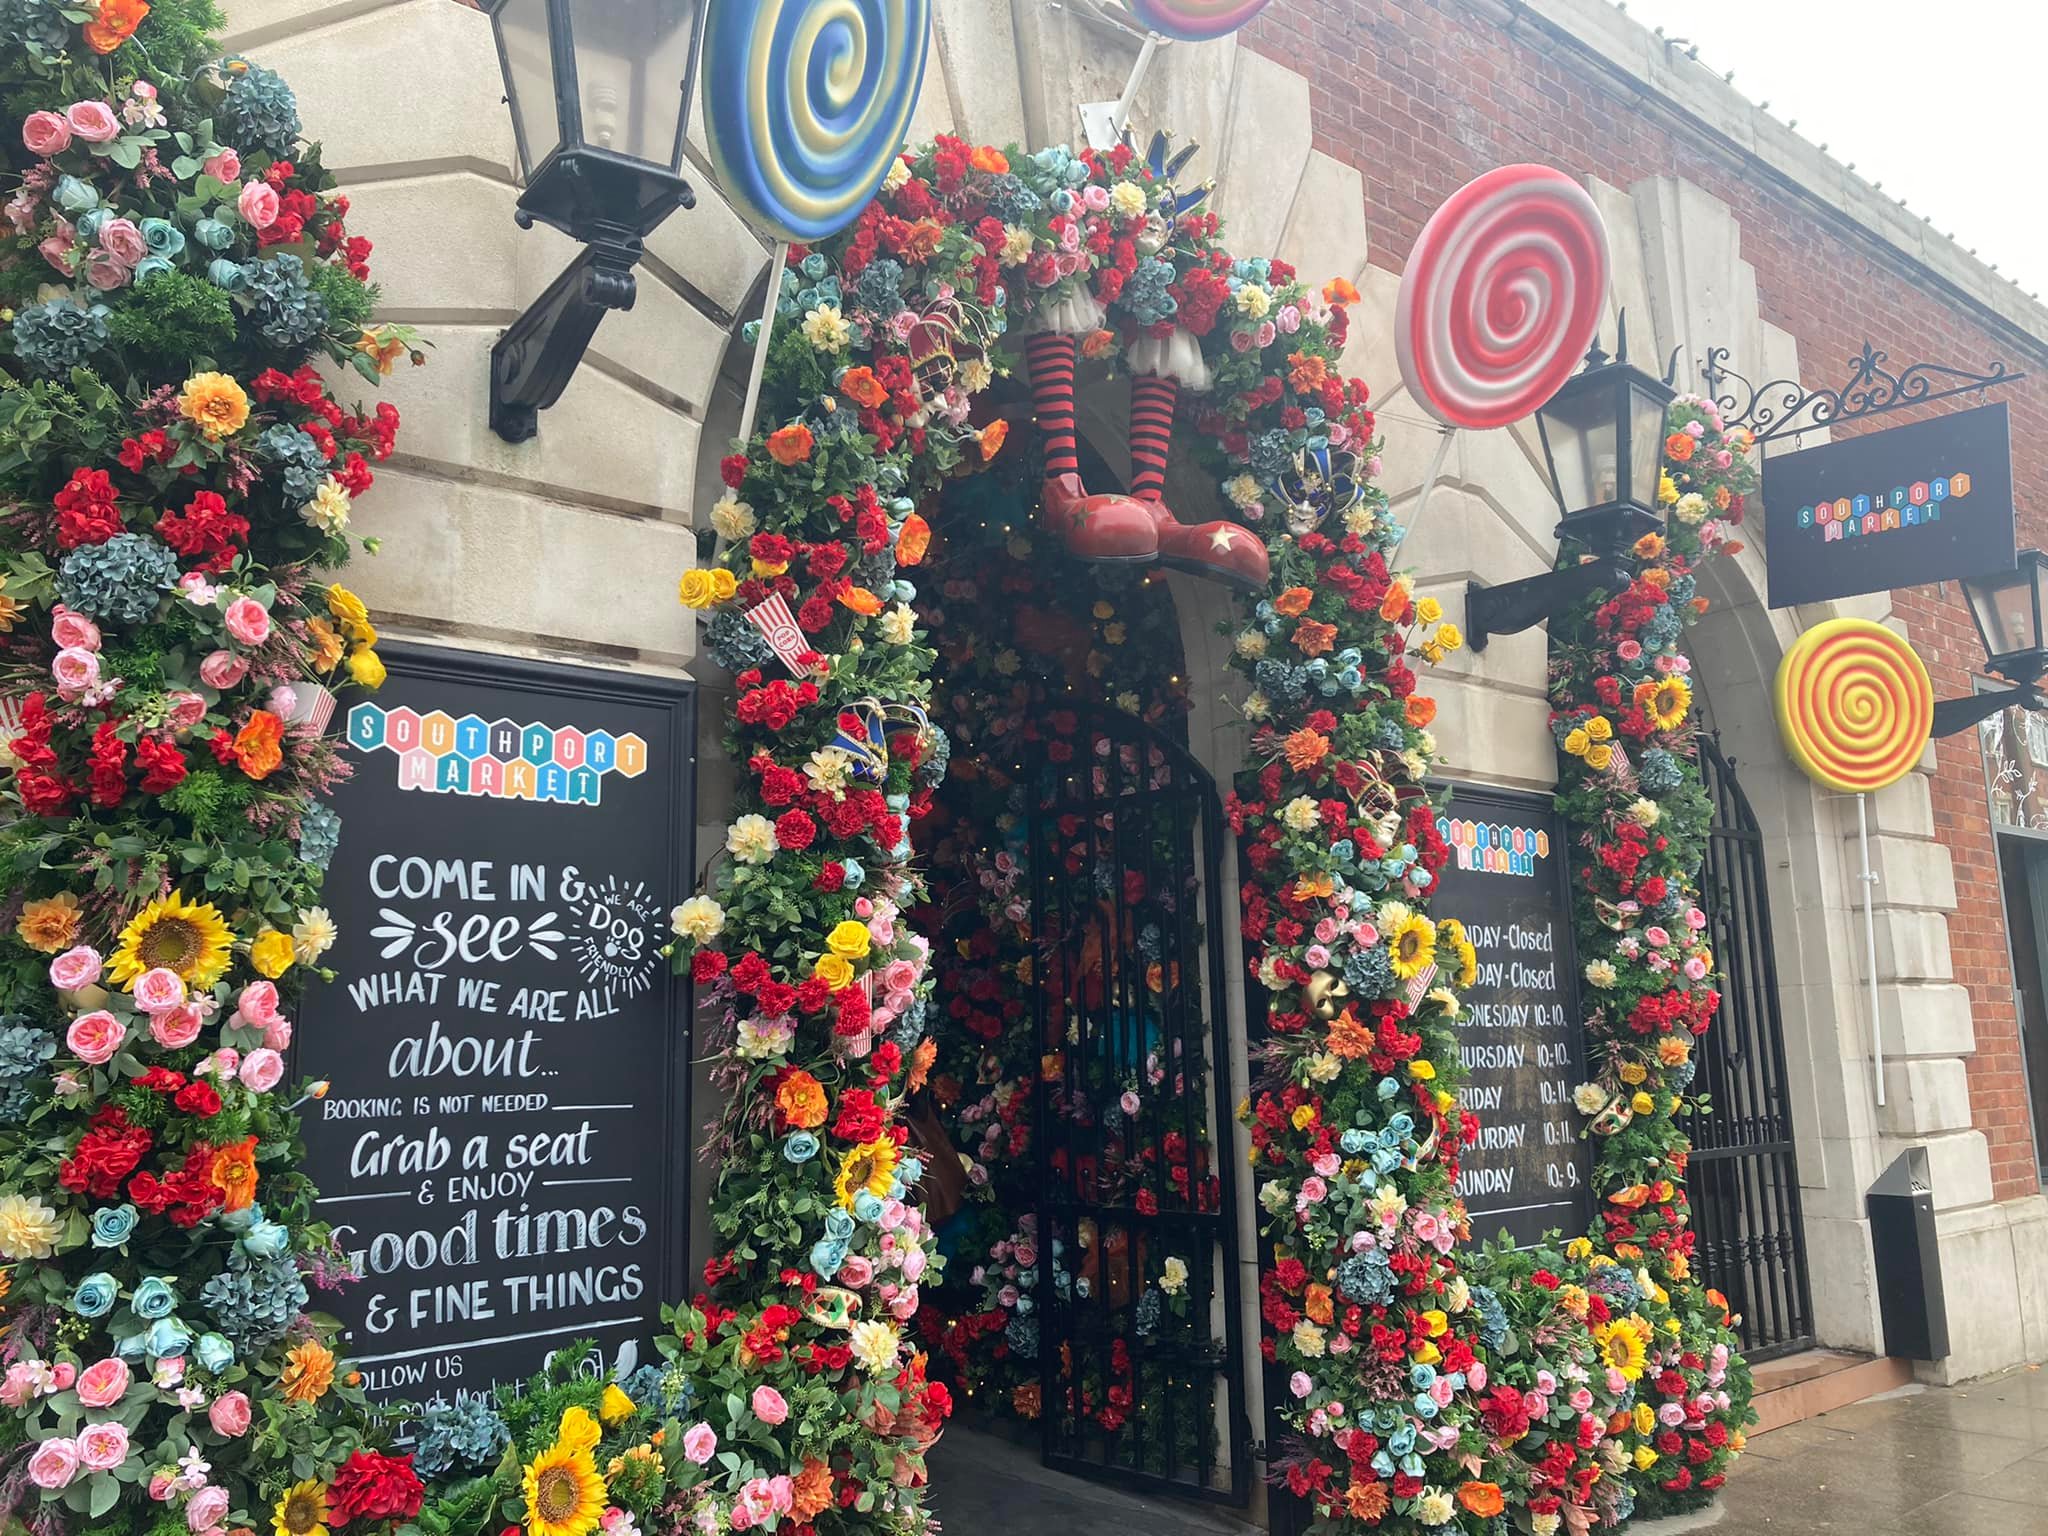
<point>1501,298</point>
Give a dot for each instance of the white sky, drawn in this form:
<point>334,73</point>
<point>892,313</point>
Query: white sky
<point>1941,100</point>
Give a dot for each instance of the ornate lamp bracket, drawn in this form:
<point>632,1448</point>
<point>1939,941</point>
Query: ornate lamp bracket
<point>1872,389</point>
<point>534,360</point>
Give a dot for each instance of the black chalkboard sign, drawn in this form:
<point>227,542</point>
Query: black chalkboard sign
<point>504,1148</point>
<point>1520,1034</point>
<point>1929,501</point>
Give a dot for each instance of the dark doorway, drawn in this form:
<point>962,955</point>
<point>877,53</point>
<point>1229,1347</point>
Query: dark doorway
<point>2023,873</point>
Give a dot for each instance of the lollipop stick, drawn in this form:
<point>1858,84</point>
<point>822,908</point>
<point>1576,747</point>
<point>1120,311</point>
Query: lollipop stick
<point>775,265</point>
<point>1869,879</point>
<point>1436,468</point>
<point>1138,73</point>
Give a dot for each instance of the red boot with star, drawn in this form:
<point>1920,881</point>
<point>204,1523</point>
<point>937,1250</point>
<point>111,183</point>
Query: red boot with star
<point>1107,528</point>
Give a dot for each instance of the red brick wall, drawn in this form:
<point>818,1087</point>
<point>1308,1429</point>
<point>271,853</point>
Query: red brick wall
<point>1422,95</point>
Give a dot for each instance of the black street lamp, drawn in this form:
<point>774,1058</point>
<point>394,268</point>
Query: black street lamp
<point>600,97</point>
<point>1603,445</point>
<point>2008,609</point>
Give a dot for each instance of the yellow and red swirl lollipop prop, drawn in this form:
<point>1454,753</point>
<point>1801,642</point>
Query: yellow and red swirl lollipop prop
<point>1855,705</point>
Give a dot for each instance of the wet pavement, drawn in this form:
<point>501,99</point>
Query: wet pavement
<point>1933,1461</point>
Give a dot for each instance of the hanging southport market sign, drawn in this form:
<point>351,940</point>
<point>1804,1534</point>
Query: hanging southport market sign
<point>1931,501</point>
<point>499,1150</point>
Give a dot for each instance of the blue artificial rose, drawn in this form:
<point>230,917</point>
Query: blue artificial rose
<point>800,1147</point>
<point>214,1352</point>
<point>213,234</point>
<point>153,1299</point>
<point>826,1257</point>
<point>839,1225</point>
<point>162,237</point>
<point>1422,1375</point>
<point>867,1207</point>
<point>112,1225</point>
<point>168,1338</point>
<point>266,1240</point>
<point>73,195</point>
<point>95,1296</point>
<point>223,273</point>
<point>130,1346</point>
<point>910,1170</point>
<point>240,1221</point>
<point>90,224</point>
<point>150,268</point>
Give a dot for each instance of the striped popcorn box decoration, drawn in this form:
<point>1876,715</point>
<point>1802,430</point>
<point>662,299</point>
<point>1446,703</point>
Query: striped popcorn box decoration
<point>778,627</point>
<point>10,716</point>
<point>1418,987</point>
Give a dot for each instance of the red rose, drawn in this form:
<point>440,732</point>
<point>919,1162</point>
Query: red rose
<point>201,1099</point>
<point>373,1486</point>
<point>86,509</point>
<point>162,764</point>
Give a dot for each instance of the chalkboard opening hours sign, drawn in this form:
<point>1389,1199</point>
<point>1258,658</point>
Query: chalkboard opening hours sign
<point>504,1151</point>
<point>1520,1033</point>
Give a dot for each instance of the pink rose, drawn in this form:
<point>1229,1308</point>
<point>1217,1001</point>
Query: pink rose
<point>277,1034</point>
<point>248,621</point>
<point>75,671</point>
<point>186,710</point>
<point>104,1383</point>
<point>258,204</point>
<point>913,1265</point>
<point>23,1383</point>
<point>223,669</point>
<point>176,1028</point>
<point>899,976</point>
<point>120,239</point>
<point>106,271</point>
<point>284,701</point>
<point>62,1374</point>
<point>257,1005</point>
<point>54,1464</point>
<point>46,134</point>
<point>1475,1376</point>
<point>1300,1385</point>
<point>162,1486</point>
<point>159,989</point>
<point>769,1406</point>
<point>261,1070</point>
<point>225,165</point>
<point>93,121</point>
<point>857,1271</point>
<point>103,1447</point>
<point>209,1506</point>
<point>72,630</point>
<point>75,969</point>
<point>221,1064</point>
<point>56,249</point>
<point>229,1415</point>
<point>700,1443</point>
<point>94,1037</point>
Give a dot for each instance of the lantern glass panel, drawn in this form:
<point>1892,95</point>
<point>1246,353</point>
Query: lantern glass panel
<point>1579,431</point>
<point>632,73</point>
<point>525,51</point>
<point>2004,607</point>
<point>1646,405</point>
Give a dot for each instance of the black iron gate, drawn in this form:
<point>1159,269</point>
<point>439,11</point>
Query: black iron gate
<point>1743,1180</point>
<point>1138,1290</point>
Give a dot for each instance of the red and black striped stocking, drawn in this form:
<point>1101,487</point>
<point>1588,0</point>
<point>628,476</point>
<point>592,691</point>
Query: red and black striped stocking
<point>1152,400</point>
<point>1051,360</point>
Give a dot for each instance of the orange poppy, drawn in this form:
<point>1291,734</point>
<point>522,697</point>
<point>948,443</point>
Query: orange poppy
<point>800,1100</point>
<point>1098,344</point>
<point>1339,290</point>
<point>861,601</point>
<point>992,438</point>
<point>1293,603</point>
<point>259,746</point>
<point>1482,1499</point>
<point>985,158</point>
<point>1315,637</point>
<point>1316,1302</point>
<point>1733,547</point>
<point>862,387</point>
<point>912,540</point>
<point>234,1174</point>
<point>1678,447</point>
<point>1419,710</point>
<point>791,444</point>
<point>115,24</point>
<point>1397,605</point>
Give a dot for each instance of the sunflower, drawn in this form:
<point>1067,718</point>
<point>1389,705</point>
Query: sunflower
<point>1413,945</point>
<point>1622,1347</point>
<point>870,1166</point>
<point>564,1494</point>
<point>1665,701</point>
<point>301,1511</point>
<point>189,938</point>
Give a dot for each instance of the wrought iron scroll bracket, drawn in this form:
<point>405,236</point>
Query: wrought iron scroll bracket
<point>1785,405</point>
<point>534,360</point>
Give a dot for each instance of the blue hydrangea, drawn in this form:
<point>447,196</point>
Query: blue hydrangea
<point>23,1047</point>
<point>1366,1279</point>
<point>1682,1075</point>
<point>1662,631</point>
<point>1389,734</point>
<point>909,1029</point>
<point>1022,1335</point>
<point>1493,1317</point>
<point>1010,200</point>
<point>734,643</point>
<point>1145,297</point>
<point>1147,1316</point>
<point>468,1432</point>
<point>1369,972</point>
<point>122,579</point>
<point>260,111</point>
<point>938,756</point>
<point>297,459</point>
<point>1616,1284</point>
<point>255,1301</point>
<point>1280,682</point>
<point>1659,772</point>
<point>288,313</point>
<point>880,286</point>
<point>319,833</point>
<point>41,22</point>
<point>54,337</point>
<point>1272,455</point>
<point>1683,587</point>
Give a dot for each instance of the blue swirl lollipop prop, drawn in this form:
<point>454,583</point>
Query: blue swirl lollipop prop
<point>806,106</point>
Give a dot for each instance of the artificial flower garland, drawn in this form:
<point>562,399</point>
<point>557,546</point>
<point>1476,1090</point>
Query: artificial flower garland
<point>175,472</point>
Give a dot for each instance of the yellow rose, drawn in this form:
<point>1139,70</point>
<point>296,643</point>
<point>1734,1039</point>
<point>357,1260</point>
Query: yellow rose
<point>1421,1070</point>
<point>1450,637</point>
<point>723,585</point>
<point>1646,1419</point>
<point>1303,1117</point>
<point>1434,1323</point>
<point>767,568</point>
<point>696,589</point>
<point>1642,1104</point>
<point>1633,1072</point>
<point>349,609</point>
<point>1576,742</point>
<point>1426,1353</point>
<point>1600,728</point>
<point>1598,756</point>
<point>367,668</point>
<point>834,970</point>
<point>271,954</point>
<point>849,940</point>
<point>1645,1458</point>
<point>616,1407</point>
<point>1429,610</point>
<point>1579,1248</point>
